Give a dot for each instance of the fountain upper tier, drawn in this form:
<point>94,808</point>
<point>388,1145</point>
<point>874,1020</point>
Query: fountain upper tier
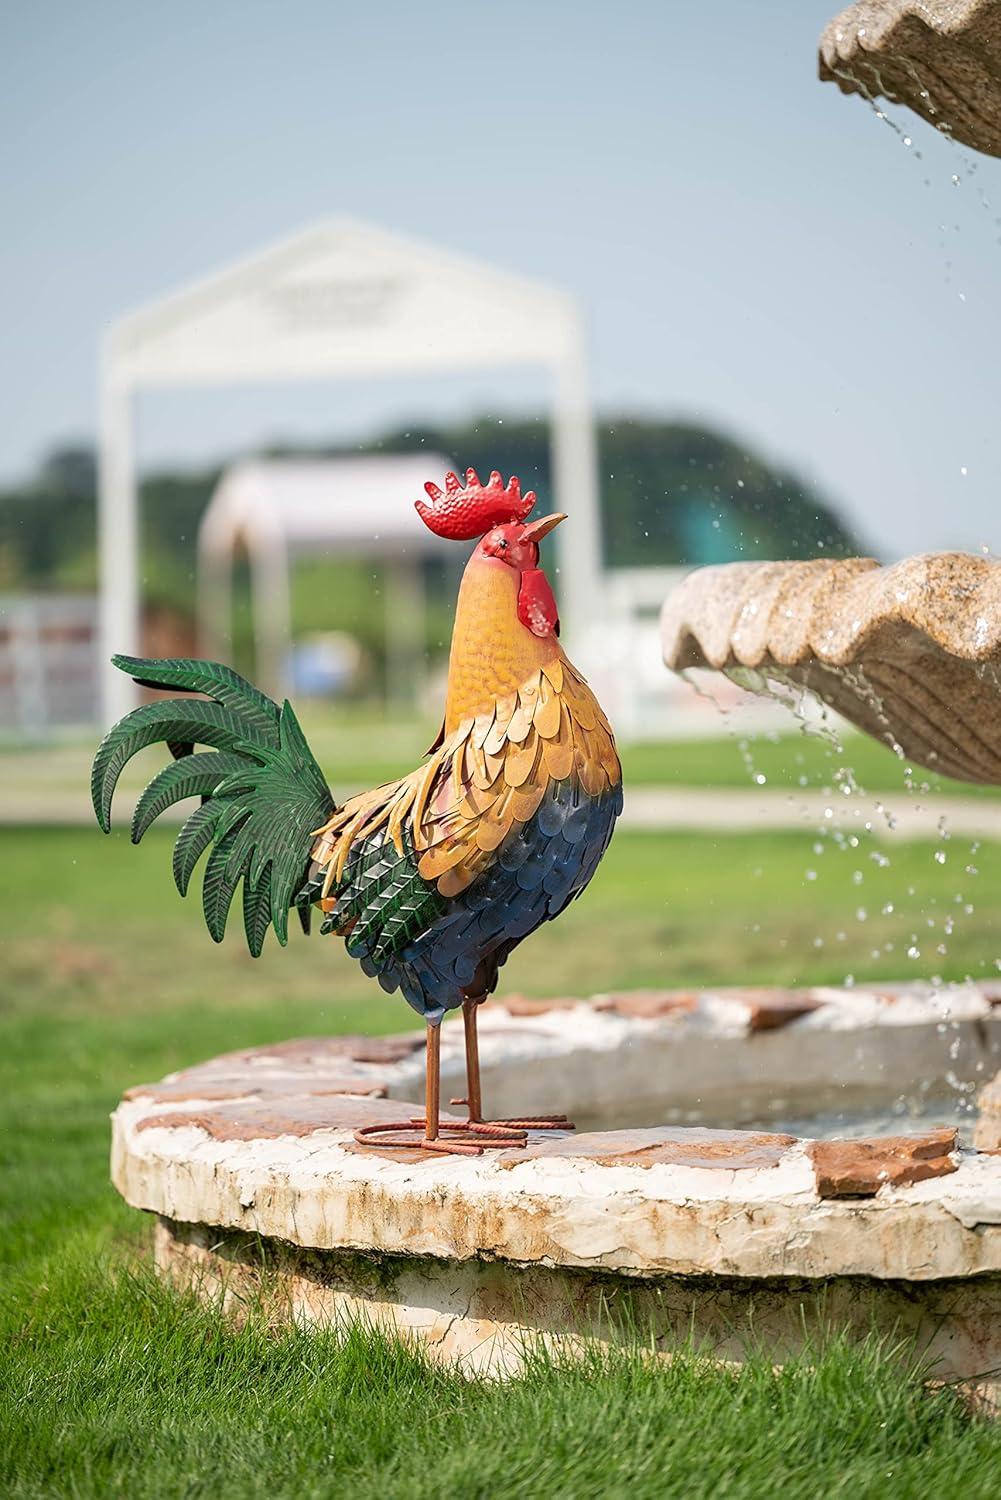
<point>942,58</point>
<point>910,653</point>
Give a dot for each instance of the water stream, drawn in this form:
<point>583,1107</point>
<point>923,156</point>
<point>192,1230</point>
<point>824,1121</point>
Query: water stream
<point>856,851</point>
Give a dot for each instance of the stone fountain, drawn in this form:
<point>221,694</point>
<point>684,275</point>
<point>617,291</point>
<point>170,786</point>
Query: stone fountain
<point>666,1233</point>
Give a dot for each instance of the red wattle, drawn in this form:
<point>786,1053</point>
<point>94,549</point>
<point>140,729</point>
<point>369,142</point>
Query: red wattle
<point>536,605</point>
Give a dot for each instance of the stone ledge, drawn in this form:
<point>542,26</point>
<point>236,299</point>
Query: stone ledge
<point>901,651</point>
<point>562,1208</point>
<point>485,1315</point>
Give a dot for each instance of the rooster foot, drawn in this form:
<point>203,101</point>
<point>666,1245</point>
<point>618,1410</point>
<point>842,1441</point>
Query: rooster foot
<point>470,1138</point>
<point>528,1122</point>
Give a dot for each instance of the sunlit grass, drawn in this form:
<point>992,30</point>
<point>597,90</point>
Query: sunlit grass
<point>111,1385</point>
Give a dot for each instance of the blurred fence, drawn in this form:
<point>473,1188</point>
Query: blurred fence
<point>48,662</point>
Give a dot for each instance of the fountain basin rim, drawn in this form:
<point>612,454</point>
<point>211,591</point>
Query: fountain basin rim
<point>319,1193</point>
<point>755,614</point>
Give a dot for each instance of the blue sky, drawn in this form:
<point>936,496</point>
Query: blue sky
<point>751,249</point>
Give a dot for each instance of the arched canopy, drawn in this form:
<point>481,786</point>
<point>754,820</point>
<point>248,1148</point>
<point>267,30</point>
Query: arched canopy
<point>342,300</point>
<point>280,509</point>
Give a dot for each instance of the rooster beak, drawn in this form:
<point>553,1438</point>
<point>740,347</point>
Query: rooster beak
<point>536,530</point>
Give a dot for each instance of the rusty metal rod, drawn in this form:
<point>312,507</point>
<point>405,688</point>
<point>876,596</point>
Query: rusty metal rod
<point>432,1083</point>
<point>474,1095</point>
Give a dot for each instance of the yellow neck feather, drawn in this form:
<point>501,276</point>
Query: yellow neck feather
<point>493,653</point>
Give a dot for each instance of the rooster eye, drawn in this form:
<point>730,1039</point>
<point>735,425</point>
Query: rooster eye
<point>502,544</point>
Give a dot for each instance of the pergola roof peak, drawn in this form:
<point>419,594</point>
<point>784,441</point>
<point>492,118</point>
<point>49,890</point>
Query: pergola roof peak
<point>339,295</point>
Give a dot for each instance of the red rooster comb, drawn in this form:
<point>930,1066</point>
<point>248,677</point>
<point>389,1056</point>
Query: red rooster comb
<point>471,510</point>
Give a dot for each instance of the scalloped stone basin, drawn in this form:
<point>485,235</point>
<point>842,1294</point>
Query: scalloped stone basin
<point>250,1163</point>
<point>909,653</point>
<point>942,58</point>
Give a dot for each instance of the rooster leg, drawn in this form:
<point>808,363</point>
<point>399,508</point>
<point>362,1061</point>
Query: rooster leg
<point>451,1138</point>
<point>474,1092</point>
<point>432,1085</point>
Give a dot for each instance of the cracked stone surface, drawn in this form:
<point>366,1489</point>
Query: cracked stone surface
<point>909,653</point>
<point>736,1150</point>
<point>571,1209</point>
<point>858,1169</point>
<point>941,58</point>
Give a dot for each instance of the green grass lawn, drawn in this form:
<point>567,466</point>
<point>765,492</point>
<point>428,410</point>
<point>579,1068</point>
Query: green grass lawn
<point>109,1385</point>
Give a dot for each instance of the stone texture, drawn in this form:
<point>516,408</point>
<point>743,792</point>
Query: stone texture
<point>987,1135</point>
<point>767,1009</point>
<point>311,1050</point>
<point>585,1237</point>
<point>292,1114</point>
<point>289,1069</point>
<point>859,1169</point>
<point>909,653</point>
<point>238,1085</point>
<point>525,1005</point>
<point>942,58</point>
<point>736,1150</point>
<point>649,1005</point>
<point>486,1315</point>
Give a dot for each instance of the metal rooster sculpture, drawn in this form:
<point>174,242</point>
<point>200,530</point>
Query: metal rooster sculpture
<point>434,879</point>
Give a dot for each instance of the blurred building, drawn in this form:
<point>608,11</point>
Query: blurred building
<point>280,510</point>
<point>341,301</point>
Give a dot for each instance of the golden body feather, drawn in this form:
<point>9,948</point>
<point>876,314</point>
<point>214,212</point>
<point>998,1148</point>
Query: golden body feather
<point>518,716</point>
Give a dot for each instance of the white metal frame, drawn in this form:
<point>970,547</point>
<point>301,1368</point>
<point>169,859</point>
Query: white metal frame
<point>279,510</point>
<point>341,300</point>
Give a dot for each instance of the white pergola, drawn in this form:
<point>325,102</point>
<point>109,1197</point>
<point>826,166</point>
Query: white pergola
<point>279,510</point>
<point>341,300</point>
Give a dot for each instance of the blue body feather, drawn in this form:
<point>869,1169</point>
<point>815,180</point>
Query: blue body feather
<point>539,868</point>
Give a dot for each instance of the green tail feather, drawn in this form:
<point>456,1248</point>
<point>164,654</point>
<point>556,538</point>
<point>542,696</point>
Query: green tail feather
<point>193,840</point>
<point>209,677</point>
<point>190,776</point>
<point>263,793</point>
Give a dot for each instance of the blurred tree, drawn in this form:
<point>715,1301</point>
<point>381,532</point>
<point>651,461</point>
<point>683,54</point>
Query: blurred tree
<point>672,493</point>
